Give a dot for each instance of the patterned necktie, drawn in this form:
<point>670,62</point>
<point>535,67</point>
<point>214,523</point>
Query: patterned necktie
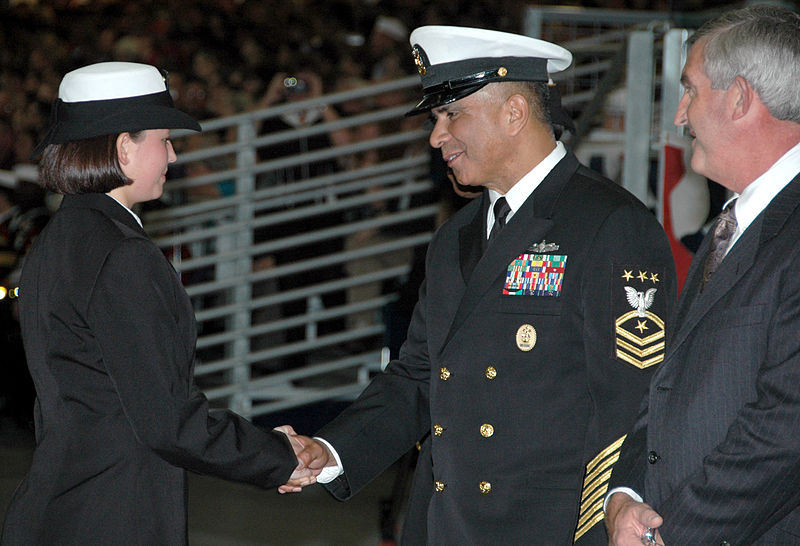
<point>720,241</point>
<point>501,210</point>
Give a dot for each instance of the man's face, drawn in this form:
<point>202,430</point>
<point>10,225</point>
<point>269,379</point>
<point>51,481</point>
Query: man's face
<point>703,111</point>
<point>469,134</point>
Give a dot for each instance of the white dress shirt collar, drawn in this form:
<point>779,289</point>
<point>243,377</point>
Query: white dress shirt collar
<point>760,192</point>
<point>520,192</point>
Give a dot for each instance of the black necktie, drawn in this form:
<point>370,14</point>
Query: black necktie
<point>720,241</point>
<point>501,210</point>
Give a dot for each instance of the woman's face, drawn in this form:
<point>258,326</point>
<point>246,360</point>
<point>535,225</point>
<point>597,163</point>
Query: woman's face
<point>144,159</point>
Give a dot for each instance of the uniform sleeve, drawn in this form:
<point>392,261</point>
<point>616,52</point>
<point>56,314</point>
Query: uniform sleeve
<point>628,291</point>
<point>144,327</point>
<point>389,417</point>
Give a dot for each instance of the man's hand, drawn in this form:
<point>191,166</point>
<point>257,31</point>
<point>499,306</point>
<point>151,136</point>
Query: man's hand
<point>302,475</point>
<point>312,457</point>
<point>627,520</point>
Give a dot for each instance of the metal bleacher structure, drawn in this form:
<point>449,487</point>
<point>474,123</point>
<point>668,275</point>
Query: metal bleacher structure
<point>293,262</point>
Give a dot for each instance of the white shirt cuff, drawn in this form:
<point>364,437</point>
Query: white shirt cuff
<point>330,473</point>
<point>627,490</point>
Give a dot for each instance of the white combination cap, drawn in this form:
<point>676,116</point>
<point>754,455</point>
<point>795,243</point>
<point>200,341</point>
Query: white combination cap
<point>454,62</point>
<point>110,98</point>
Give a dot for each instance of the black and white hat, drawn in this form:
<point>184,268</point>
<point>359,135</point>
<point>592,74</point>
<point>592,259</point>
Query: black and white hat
<point>113,97</point>
<point>454,62</point>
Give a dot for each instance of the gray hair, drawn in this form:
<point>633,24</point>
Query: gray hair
<point>761,44</point>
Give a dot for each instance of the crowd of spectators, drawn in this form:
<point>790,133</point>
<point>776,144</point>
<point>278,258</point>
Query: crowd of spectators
<point>221,54</point>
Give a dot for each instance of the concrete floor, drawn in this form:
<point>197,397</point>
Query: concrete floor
<point>226,514</point>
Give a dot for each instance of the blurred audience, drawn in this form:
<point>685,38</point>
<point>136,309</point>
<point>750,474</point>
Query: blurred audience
<point>221,55</point>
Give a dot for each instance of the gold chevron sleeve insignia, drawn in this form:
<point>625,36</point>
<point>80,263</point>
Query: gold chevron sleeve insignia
<point>595,486</point>
<point>640,338</point>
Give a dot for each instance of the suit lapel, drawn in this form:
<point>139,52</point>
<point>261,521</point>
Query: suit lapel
<point>530,224</point>
<point>694,304</point>
<point>472,239</point>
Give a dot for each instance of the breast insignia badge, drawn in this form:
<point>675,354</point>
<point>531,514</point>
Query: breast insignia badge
<point>542,247</point>
<point>526,337</point>
<point>638,327</point>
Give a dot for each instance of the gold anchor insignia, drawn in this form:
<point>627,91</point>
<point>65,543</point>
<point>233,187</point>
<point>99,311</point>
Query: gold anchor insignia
<point>418,61</point>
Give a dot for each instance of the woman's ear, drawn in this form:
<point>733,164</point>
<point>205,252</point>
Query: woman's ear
<point>123,148</point>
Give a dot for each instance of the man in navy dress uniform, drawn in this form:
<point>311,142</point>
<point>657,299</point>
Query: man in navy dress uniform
<point>537,327</point>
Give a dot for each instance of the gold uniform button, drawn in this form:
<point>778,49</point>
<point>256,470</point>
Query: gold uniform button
<point>438,486</point>
<point>438,429</point>
<point>485,487</point>
<point>487,430</point>
<point>491,372</point>
<point>444,374</point>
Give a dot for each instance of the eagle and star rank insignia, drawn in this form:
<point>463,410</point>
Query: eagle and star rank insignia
<point>639,328</point>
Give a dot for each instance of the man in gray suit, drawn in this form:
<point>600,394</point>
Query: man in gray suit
<point>716,453</point>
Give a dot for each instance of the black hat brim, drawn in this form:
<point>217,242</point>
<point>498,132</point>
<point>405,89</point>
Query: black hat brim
<point>442,97</point>
<point>82,120</point>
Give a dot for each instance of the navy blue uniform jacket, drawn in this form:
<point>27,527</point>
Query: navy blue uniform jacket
<point>109,335</point>
<point>526,390</point>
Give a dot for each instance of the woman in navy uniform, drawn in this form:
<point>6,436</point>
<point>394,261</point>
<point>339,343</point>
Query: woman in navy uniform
<point>109,334</point>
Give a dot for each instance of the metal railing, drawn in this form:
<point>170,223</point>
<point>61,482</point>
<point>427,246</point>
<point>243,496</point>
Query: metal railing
<point>287,254</point>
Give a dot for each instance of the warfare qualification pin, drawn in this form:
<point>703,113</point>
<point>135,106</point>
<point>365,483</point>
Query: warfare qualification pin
<point>526,337</point>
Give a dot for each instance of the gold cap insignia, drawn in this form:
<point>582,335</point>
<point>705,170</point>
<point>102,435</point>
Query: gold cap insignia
<point>418,61</point>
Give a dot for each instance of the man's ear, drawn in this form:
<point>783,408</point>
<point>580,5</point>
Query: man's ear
<point>742,97</point>
<point>518,112</point>
<point>123,148</point>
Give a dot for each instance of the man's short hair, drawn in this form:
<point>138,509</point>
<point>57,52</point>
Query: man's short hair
<point>83,166</point>
<point>762,45</point>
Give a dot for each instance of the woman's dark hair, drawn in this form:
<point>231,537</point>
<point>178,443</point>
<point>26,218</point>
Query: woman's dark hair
<point>83,166</point>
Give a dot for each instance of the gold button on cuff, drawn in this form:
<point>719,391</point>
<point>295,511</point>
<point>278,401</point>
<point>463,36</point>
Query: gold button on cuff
<point>487,430</point>
<point>491,372</point>
<point>485,487</point>
<point>502,71</point>
<point>444,374</point>
<point>438,429</point>
<point>438,486</point>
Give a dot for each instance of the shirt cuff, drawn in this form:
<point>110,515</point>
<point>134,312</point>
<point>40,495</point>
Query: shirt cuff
<point>330,473</point>
<point>627,490</point>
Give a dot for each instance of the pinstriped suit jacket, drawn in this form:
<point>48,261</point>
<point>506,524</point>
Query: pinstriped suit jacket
<point>717,449</point>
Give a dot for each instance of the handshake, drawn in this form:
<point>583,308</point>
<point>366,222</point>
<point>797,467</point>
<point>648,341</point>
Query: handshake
<point>312,457</point>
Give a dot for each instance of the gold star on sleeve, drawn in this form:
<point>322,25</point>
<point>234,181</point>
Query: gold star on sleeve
<point>642,276</point>
<point>654,278</point>
<point>628,275</point>
<point>641,325</point>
